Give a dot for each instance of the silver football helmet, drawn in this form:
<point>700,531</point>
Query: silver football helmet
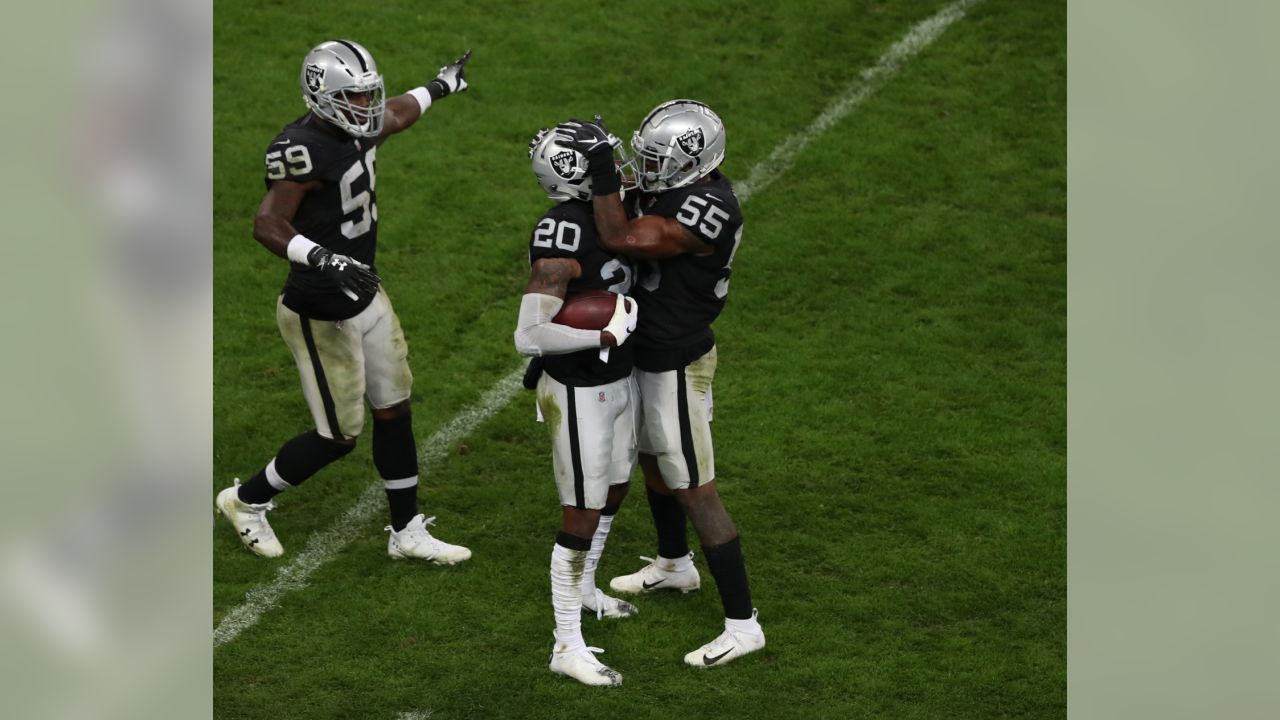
<point>334,75</point>
<point>562,171</point>
<point>679,142</point>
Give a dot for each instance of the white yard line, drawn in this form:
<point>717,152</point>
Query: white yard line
<point>868,82</point>
<point>415,715</point>
<point>324,545</point>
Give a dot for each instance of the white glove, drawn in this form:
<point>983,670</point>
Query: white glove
<point>625,314</point>
<point>450,80</point>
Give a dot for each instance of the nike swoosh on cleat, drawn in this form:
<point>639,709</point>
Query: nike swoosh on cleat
<point>713,660</point>
<point>650,586</point>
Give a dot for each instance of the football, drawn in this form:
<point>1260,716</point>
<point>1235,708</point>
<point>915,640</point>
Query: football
<point>587,310</point>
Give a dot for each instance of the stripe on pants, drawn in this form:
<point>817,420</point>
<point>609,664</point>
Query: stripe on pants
<point>326,398</point>
<point>686,430</point>
<point>575,448</point>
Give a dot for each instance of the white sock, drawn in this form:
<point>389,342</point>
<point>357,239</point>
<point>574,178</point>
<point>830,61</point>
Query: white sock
<point>750,625</point>
<point>593,558</point>
<point>566,594</point>
<point>680,564</point>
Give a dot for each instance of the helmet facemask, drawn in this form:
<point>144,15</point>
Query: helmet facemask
<point>357,110</point>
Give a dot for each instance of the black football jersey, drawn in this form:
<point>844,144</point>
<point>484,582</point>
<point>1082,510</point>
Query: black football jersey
<point>568,230</point>
<point>341,215</point>
<point>681,296</point>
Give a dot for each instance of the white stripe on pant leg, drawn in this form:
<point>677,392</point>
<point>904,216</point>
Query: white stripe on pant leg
<point>274,479</point>
<point>324,545</point>
<point>402,484</point>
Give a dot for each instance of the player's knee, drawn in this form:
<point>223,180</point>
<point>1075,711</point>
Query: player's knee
<point>325,445</point>
<point>394,412</point>
<point>617,493</point>
<point>652,475</point>
<point>698,498</point>
<point>347,441</point>
<point>580,523</point>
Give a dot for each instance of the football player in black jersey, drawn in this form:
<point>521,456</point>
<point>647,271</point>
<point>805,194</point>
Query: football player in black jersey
<point>687,229</point>
<point>585,394</point>
<point>320,212</point>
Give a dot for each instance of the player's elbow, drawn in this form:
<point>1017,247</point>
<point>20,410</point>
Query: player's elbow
<point>525,344</point>
<point>263,223</point>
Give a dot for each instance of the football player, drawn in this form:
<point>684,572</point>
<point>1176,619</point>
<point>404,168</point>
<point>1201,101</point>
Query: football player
<point>686,232</point>
<point>585,393</point>
<point>320,213</point>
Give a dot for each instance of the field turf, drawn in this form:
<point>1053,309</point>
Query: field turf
<point>890,402</point>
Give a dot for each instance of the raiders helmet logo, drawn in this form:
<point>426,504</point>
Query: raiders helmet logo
<point>315,78</point>
<point>691,142</point>
<point>563,164</point>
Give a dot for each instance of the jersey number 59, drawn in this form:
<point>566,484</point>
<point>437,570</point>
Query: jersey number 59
<point>363,200</point>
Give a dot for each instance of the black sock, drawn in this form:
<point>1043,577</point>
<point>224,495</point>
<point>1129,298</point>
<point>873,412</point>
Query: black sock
<point>572,542</point>
<point>403,503</point>
<point>396,457</point>
<point>298,459</point>
<point>669,520</point>
<point>730,573</point>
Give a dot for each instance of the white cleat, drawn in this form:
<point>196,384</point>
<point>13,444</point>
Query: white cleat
<point>659,574</point>
<point>414,542</point>
<point>731,645</point>
<point>250,522</point>
<point>582,665</point>
<point>605,606</point>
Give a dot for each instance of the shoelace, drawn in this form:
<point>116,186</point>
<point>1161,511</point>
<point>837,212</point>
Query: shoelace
<point>426,521</point>
<point>594,651</point>
<point>261,512</point>
<point>599,606</point>
<point>654,562</point>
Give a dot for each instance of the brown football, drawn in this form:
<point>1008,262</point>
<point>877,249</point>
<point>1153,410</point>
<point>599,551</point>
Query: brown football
<point>587,310</point>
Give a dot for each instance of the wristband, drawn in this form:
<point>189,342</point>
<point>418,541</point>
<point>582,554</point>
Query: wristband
<point>423,96</point>
<point>604,175</point>
<point>299,247</point>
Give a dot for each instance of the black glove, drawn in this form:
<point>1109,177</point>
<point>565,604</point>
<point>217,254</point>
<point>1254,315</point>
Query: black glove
<point>588,138</point>
<point>450,79</point>
<point>351,276</point>
<point>596,144</point>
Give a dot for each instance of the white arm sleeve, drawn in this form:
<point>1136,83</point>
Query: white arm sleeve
<point>537,335</point>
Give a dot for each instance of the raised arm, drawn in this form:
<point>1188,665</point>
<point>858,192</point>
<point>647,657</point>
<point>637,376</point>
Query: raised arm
<point>402,111</point>
<point>644,237</point>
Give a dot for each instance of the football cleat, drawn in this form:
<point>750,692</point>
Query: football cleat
<point>659,574</point>
<point>581,665</point>
<point>250,522</point>
<point>416,543</point>
<point>729,646</point>
<point>608,607</point>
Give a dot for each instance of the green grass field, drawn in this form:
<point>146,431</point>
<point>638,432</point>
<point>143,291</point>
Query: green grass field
<point>890,403</point>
